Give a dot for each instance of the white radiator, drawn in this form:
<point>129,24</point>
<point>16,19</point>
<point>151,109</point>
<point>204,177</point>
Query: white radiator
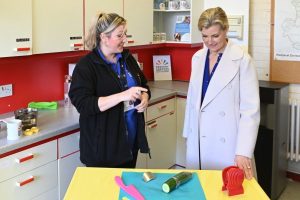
<point>294,131</point>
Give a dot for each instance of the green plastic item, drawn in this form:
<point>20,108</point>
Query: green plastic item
<point>44,105</point>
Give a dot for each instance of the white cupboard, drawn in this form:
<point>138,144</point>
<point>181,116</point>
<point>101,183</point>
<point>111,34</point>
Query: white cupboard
<point>41,172</point>
<point>16,28</point>
<point>57,25</point>
<point>93,7</point>
<point>161,135</point>
<point>68,161</point>
<point>30,173</point>
<point>139,16</point>
<point>181,142</point>
<point>48,26</point>
<point>27,160</point>
<point>31,183</point>
<point>47,195</point>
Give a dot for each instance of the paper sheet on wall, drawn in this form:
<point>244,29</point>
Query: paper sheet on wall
<point>162,67</point>
<point>287,30</point>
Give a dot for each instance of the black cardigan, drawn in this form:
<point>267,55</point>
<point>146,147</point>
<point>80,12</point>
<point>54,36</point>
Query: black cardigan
<point>103,140</point>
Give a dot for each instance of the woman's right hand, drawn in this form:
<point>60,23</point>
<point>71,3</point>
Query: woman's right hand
<point>244,163</point>
<point>133,93</point>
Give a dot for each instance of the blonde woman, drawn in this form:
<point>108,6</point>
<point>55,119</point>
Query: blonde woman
<point>111,93</point>
<point>223,107</point>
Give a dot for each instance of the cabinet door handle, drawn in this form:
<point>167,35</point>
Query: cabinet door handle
<point>77,45</point>
<point>22,49</point>
<point>162,107</point>
<point>153,125</point>
<point>29,157</point>
<point>22,183</point>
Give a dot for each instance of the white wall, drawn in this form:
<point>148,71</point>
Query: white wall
<point>259,36</point>
<point>259,49</point>
<point>230,9</point>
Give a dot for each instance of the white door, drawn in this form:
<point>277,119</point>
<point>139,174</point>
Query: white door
<point>161,134</point>
<point>93,7</point>
<point>57,25</point>
<point>139,16</point>
<point>66,169</point>
<point>181,144</point>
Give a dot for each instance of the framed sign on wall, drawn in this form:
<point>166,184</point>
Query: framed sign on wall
<point>162,67</point>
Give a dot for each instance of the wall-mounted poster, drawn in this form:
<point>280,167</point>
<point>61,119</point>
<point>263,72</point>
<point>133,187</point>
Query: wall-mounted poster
<point>182,28</point>
<point>162,67</point>
<point>287,30</point>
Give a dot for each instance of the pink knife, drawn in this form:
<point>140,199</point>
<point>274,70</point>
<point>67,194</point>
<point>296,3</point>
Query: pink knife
<point>129,189</point>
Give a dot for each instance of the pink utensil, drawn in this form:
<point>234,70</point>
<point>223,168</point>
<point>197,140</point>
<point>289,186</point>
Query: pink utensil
<point>129,189</point>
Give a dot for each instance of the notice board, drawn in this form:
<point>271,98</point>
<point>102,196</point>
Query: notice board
<point>284,67</point>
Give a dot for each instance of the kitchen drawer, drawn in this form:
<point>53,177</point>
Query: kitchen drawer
<point>68,144</point>
<point>160,109</point>
<point>20,187</point>
<point>27,160</point>
<point>49,195</point>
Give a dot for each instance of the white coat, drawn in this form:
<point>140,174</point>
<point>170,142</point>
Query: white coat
<point>226,124</point>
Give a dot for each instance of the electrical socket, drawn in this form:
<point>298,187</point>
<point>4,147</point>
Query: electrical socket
<point>6,90</point>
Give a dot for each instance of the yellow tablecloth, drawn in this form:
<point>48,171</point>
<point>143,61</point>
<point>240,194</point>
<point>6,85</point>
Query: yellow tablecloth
<point>99,184</point>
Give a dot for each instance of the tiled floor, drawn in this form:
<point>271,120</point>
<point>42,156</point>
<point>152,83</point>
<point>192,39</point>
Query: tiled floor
<point>291,192</point>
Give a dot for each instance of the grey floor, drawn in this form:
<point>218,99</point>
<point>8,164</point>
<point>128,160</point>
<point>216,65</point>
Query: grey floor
<point>291,192</point>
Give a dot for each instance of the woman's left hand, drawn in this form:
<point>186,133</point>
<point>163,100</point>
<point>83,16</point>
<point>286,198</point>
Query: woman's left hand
<point>245,164</point>
<point>144,102</point>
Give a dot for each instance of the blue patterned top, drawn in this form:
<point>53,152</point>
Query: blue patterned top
<point>207,76</point>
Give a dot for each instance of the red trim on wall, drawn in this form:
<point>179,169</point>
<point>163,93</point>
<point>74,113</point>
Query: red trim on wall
<point>38,143</point>
<point>293,176</point>
<point>163,45</point>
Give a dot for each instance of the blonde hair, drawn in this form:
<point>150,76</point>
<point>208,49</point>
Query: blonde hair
<point>102,23</point>
<point>213,16</point>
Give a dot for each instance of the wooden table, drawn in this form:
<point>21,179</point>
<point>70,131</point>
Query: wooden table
<point>98,183</point>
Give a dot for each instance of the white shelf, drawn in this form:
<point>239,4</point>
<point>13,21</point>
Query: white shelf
<point>179,10</point>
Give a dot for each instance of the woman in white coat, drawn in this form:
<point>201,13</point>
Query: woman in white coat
<point>223,107</point>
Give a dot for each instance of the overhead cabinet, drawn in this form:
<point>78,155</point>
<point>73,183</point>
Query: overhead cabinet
<point>57,25</point>
<point>48,26</point>
<point>94,7</point>
<point>139,16</point>
<point>16,28</point>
